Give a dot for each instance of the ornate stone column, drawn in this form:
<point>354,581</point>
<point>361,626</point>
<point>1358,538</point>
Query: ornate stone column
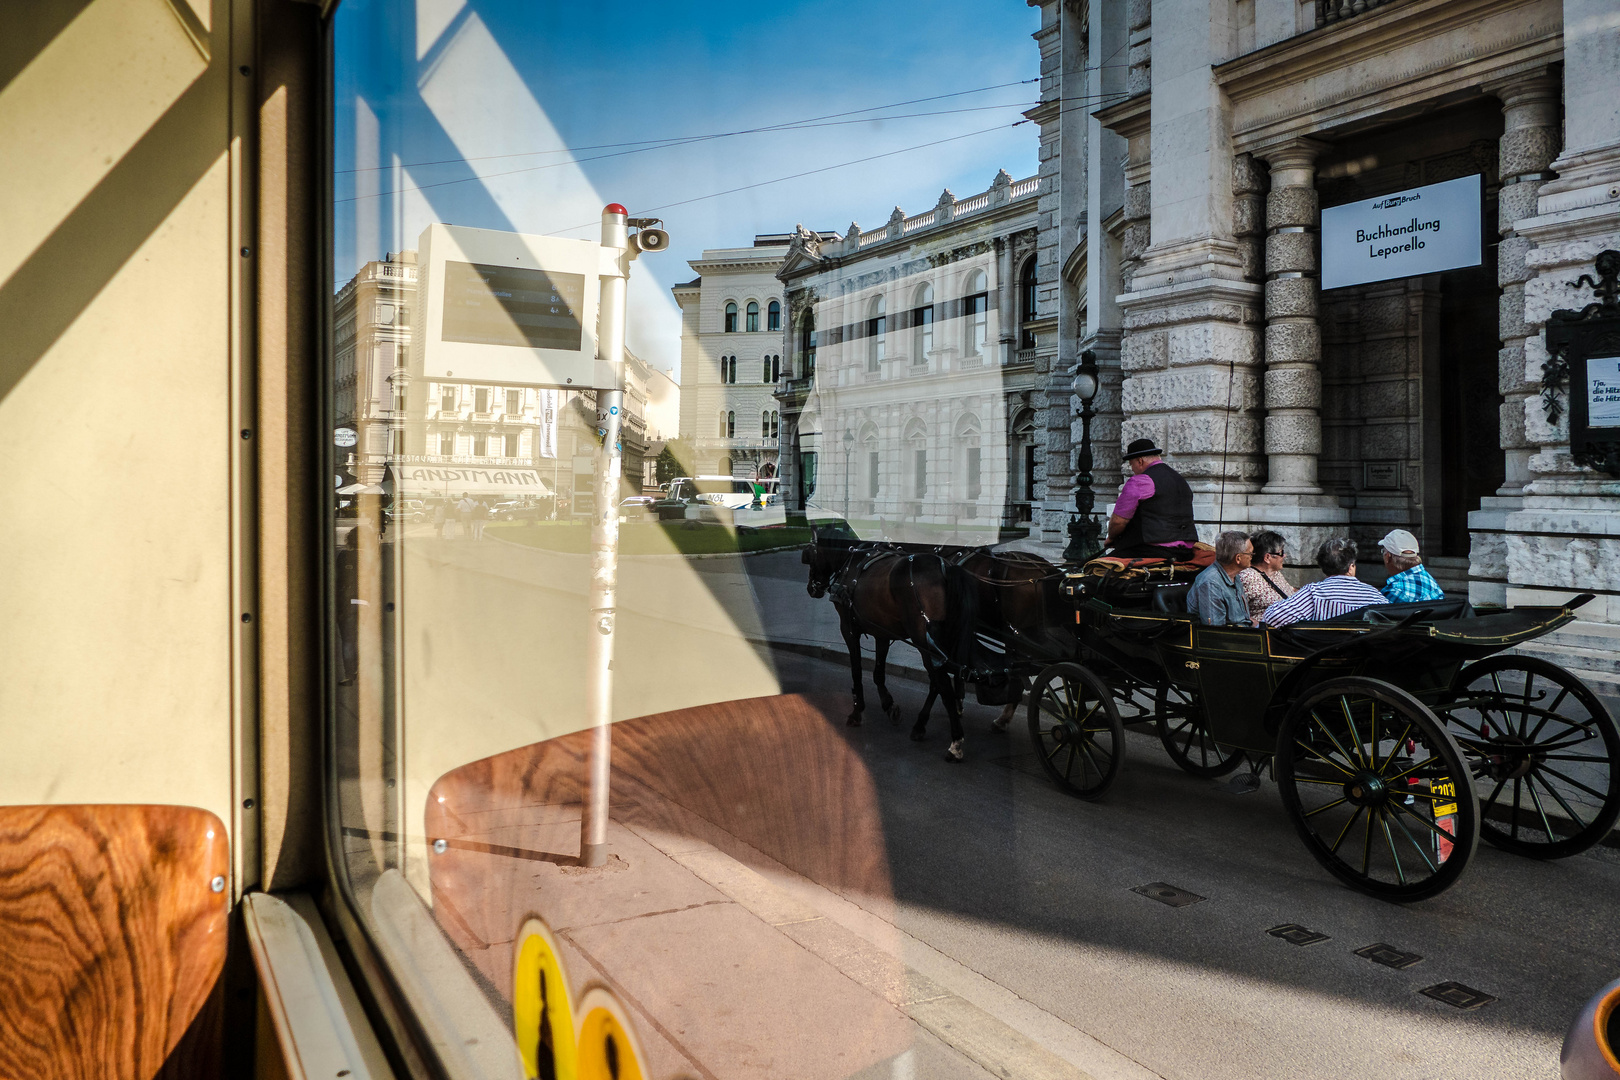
<point>1293,381</point>
<point>1530,141</point>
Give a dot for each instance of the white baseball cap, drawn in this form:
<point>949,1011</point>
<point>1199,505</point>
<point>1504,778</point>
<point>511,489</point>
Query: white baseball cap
<point>1399,542</point>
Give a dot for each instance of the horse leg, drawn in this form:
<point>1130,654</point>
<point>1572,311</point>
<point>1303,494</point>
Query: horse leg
<point>919,730</point>
<point>1009,711</point>
<point>880,676</point>
<point>953,711</point>
<point>852,642</point>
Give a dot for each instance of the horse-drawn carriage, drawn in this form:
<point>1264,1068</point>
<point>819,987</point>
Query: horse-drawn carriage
<point>1397,734</point>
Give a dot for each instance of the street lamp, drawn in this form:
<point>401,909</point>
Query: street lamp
<point>1084,531</point>
<point>849,454</point>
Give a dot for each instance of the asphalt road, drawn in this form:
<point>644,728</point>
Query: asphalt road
<point>1017,897</point>
<point>996,869</point>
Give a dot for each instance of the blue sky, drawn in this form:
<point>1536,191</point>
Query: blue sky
<point>483,113</point>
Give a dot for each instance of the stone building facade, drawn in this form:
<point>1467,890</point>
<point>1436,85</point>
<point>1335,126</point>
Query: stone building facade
<point>1418,402</point>
<point>731,359</point>
<point>910,403</point>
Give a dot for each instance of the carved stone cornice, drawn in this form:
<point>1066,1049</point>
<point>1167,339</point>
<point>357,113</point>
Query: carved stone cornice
<point>1419,51</point>
<point>1128,118</point>
<point>1045,112</point>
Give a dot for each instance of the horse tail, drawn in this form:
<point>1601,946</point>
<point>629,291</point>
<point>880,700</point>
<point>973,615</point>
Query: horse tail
<point>961,613</point>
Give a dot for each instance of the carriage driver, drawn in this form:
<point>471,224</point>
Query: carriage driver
<point>1153,518</point>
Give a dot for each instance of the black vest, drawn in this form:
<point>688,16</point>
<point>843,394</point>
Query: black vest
<point>1165,518</point>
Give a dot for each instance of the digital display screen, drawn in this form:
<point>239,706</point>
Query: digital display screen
<point>508,305</point>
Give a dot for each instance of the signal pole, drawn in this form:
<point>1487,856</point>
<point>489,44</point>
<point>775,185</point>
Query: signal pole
<point>605,544</point>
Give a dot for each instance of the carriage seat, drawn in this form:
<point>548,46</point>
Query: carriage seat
<point>1449,608</point>
<point>1171,599</point>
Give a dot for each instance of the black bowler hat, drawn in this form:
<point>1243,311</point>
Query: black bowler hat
<point>1141,448</point>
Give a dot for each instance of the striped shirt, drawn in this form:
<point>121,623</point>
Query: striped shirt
<point>1323,600</point>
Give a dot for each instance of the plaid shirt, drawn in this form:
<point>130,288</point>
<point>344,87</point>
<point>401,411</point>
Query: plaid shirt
<point>1412,585</point>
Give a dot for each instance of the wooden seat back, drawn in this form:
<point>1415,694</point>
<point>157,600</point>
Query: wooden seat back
<point>113,926</point>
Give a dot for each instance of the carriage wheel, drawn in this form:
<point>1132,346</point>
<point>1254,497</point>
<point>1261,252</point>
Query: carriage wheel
<point>1184,731</point>
<point>1076,729</point>
<point>1545,755</point>
<point>1377,789</point>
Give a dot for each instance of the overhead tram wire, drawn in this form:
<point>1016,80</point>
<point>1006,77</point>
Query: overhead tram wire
<point>662,146</point>
<point>679,139</point>
<point>797,175</point>
<point>789,125</point>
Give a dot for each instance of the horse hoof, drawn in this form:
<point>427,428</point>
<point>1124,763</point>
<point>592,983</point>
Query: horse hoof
<point>1000,726</point>
<point>954,754</point>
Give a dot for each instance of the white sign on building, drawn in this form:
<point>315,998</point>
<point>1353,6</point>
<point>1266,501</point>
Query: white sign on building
<point>1422,230</point>
<point>507,308</point>
<point>1603,392</point>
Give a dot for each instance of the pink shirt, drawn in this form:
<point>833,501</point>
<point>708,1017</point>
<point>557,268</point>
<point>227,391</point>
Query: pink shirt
<point>1136,489</point>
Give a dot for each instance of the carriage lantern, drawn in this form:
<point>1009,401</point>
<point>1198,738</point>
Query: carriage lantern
<point>1083,528</point>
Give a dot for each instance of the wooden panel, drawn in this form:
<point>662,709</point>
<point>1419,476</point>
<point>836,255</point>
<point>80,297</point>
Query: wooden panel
<point>112,938</point>
<point>772,772</point>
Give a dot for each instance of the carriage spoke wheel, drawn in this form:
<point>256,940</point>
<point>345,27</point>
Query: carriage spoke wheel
<point>1377,789</point>
<point>1076,730</point>
<point>1184,731</point>
<point>1544,753</point>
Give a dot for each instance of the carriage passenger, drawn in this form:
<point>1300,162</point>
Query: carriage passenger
<point>1215,598</point>
<point>1408,579</point>
<point>1338,592</point>
<point>1263,583</point>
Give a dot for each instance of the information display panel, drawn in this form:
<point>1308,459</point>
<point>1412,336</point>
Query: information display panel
<point>508,308</point>
<point>1422,230</point>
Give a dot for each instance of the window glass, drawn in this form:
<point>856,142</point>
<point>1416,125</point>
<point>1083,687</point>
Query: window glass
<point>600,805</point>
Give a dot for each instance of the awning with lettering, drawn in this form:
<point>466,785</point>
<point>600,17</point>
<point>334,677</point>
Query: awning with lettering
<point>416,481</point>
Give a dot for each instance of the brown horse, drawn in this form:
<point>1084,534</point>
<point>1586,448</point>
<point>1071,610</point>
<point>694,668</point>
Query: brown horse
<point>894,595</point>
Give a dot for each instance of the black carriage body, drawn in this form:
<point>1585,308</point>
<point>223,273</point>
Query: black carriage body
<point>1247,677</point>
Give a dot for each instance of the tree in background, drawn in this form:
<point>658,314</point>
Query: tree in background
<point>675,460</point>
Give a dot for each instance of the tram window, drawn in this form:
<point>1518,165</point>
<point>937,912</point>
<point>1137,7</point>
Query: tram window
<point>481,672</point>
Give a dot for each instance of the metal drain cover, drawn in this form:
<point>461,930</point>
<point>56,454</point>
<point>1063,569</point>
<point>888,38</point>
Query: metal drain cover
<point>1455,993</point>
<point>1390,956</point>
<point>1295,934</point>
<point>1167,894</point>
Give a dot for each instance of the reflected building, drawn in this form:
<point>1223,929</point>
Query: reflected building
<point>909,406</point>
<point>731,358</point>
<point>495,440</point>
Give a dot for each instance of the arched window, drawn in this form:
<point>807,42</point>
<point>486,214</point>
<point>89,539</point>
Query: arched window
<point>874,463</point>
<point>765,424</point>
<point>765,368</point>
<point>917,450</point>
<point>807,344</point>
<point>773,316</point>
<point>752,322</point>
<point>976,316</point>
<point>922,321</point>
<point>1026,304</point>
<point>731,425</point>
<point>731,317</point>
<point>969,462</point>
<point>722,425</point>
<point>731,370</point>
<point>877,334</point>
<point>776,367</point>
<point>776,424</point>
